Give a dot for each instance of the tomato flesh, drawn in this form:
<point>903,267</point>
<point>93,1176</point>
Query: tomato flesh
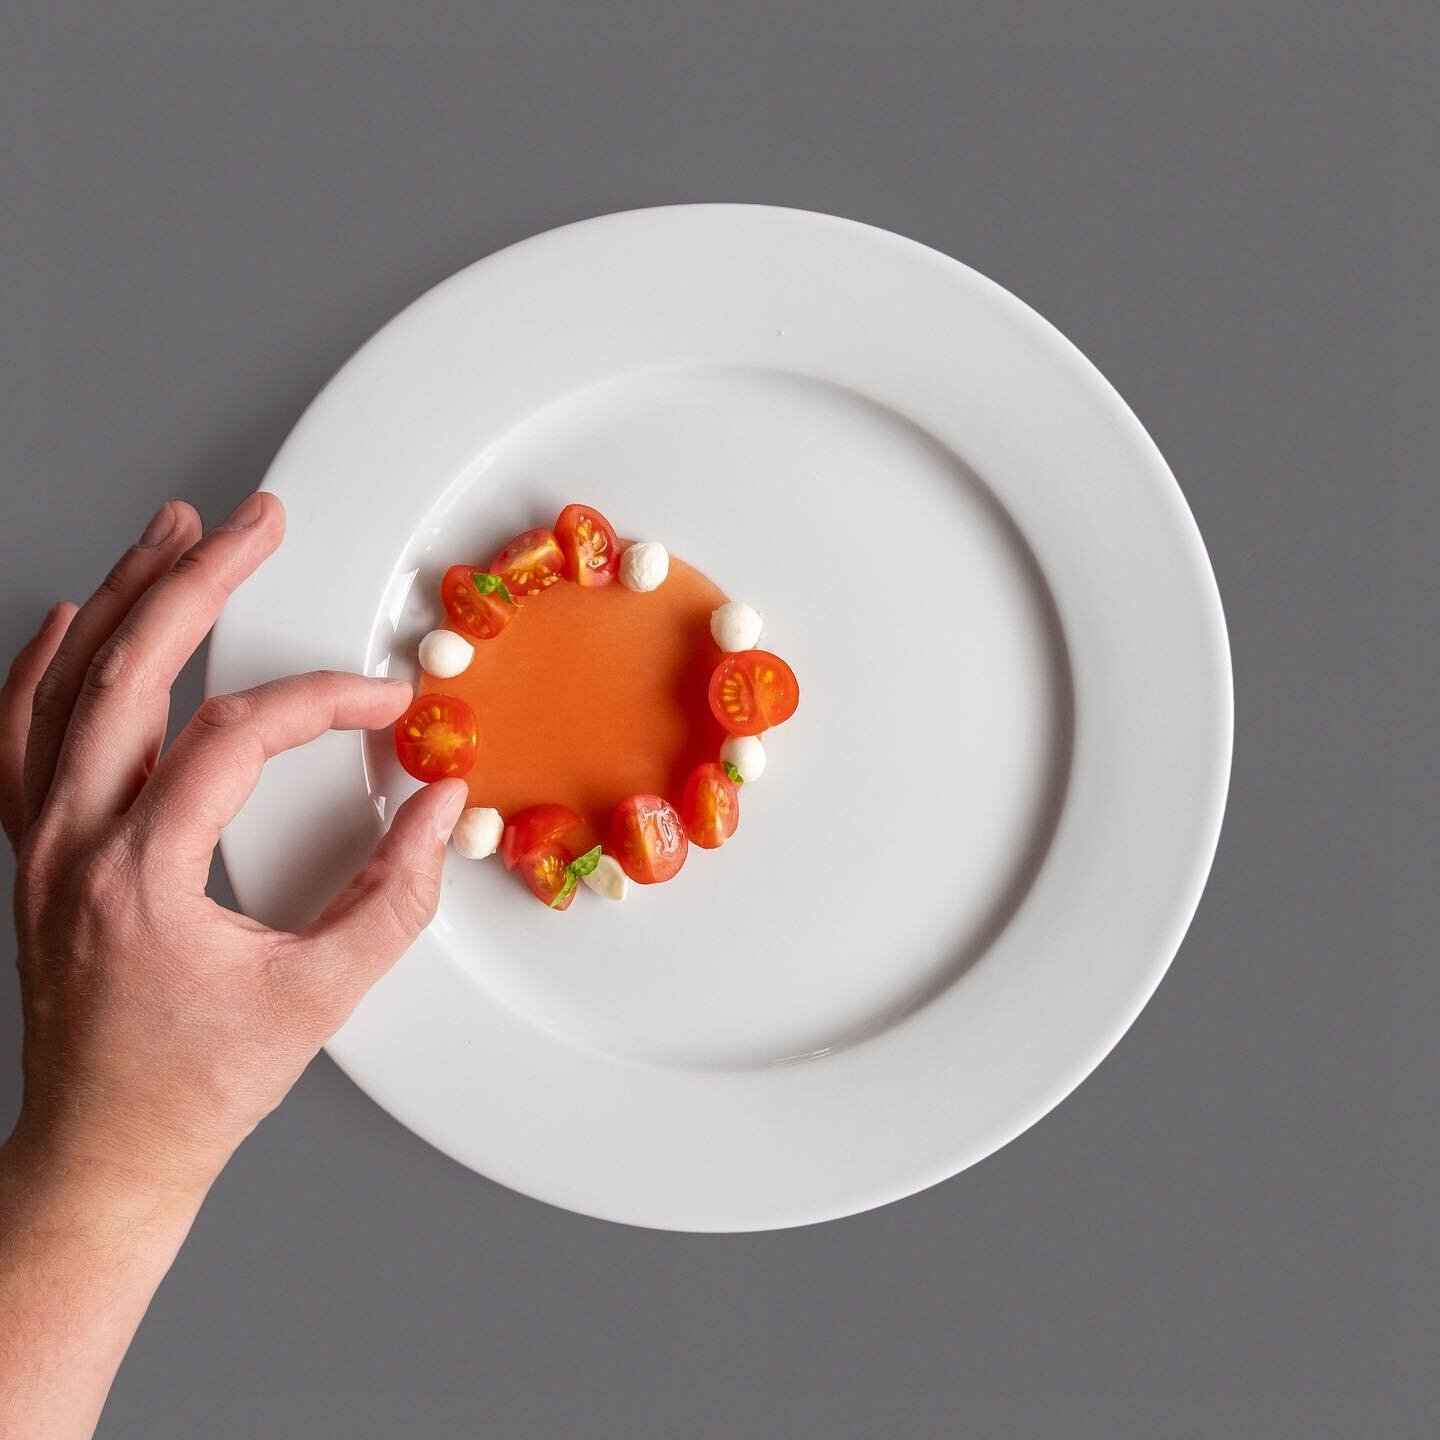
<point>481,617</point>
<point>648,839</point>
<point>710,806</point>
<point>530,563</point>
<point>545,870</point>
<point>588,541</point>
<point>753,691</point>
<point>539,825</point>
<point>437,737</point>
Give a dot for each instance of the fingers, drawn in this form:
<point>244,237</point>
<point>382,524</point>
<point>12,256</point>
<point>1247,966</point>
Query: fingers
<point>211,769</point>
<point>374,920</point>
<point>17,697</point>
<point>112,739</point>
<point>174,527</point>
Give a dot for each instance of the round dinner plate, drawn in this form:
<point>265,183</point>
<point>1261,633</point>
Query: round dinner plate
<point>976,846</point>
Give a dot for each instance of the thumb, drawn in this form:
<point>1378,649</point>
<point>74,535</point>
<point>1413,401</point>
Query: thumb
<point>372,922</point>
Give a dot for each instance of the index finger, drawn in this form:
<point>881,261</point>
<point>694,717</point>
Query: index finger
<point>107,739</point>
<point>215,763</point>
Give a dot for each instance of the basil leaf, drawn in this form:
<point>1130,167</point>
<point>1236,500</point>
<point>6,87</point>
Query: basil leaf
<point>586,864</point>
<point>566,889</point>
<point>488,584</point>
<point>733,771</point>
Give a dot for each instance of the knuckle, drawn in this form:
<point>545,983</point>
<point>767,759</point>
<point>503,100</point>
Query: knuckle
<point>49,690</point>
<point>32,867</point>
<point>101,879</point>
<point>412,898</point>
<point>117,584</point>
<point>196,570</point>
<point>225,712</point>
<point>117,669</point>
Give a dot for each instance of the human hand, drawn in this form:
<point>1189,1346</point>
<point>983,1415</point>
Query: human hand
<point>160,1027</point>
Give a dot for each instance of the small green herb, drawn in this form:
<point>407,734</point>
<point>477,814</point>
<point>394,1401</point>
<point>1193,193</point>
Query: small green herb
<point>587,863</point>
<point>491,585</point>
<point>584,865</point>
<point>733,771</point>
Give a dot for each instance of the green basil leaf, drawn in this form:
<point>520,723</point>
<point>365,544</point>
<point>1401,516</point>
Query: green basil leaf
<point>733,771</point>
<point>586,864</point>
<point>566,889</point>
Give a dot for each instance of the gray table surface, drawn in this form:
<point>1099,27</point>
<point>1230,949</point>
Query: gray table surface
<point>1228,1230</point>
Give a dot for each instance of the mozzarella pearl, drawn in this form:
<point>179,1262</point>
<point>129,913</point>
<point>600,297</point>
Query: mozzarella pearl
<point>477,832</point>
<point>736,627</point>
<point>608,879</point>
<point>746,754</point>
<point>644,566</point>
<point>445,654</point>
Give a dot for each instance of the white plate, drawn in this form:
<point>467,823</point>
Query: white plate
<point>979,842</point>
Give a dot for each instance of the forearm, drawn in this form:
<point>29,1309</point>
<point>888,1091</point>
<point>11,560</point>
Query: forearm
<point>80,1258</point>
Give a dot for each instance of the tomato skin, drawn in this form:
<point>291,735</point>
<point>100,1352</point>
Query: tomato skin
<point>710,806</point>
<point>648,839</point>
<point>481,617</point>
<point>529,829</point>
<point>753,691</point>
<point>437,738</point>
<point>530,563</point>
<point>587,538</point>
<point>544,870</point>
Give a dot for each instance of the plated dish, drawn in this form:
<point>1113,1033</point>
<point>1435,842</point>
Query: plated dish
<point>631,706</point>
<point>988,828</point>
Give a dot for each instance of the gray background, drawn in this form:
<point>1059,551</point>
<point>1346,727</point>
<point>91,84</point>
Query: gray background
<point>1232,211</point>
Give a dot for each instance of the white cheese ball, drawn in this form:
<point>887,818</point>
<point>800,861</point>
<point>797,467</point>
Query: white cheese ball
<point>746,754</point>
<point>608,879</point>
<point>445,654</point>
<point>644,566</point>
<point>736,626</point>
<point>477,832</point>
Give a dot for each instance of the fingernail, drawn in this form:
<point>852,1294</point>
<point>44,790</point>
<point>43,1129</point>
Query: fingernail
<point>449,812</point>
<point>52,614</point>
<point>245,514</point>
<point>161,525</point>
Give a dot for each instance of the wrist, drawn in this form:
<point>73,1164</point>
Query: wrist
<point>81,1254</point>
<point>96,1183</point>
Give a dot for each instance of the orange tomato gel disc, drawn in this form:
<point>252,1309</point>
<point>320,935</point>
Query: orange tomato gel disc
<point>592,695</point>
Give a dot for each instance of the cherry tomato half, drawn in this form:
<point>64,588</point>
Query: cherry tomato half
<point>588,541</point>
<point>530,563</point>
<point>545,870</point>
<point>437,737</point>
<point>647,838</point>
<point>537,826</point>
<point>480,615</point>
<point>753,691</point>
<point>710,806</point>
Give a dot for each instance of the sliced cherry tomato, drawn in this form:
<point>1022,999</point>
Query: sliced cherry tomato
<point>546,869</point>
<point>647,838</point>
<point>538,825</point>
<point>753,691</point>
<point>530,563</point>
<point>478,604</point>
<point>436,738</point>
<point>588,540</point>
<point>710,806</point>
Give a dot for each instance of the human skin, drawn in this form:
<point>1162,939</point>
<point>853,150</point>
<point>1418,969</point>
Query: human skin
<point>159,1027</point>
